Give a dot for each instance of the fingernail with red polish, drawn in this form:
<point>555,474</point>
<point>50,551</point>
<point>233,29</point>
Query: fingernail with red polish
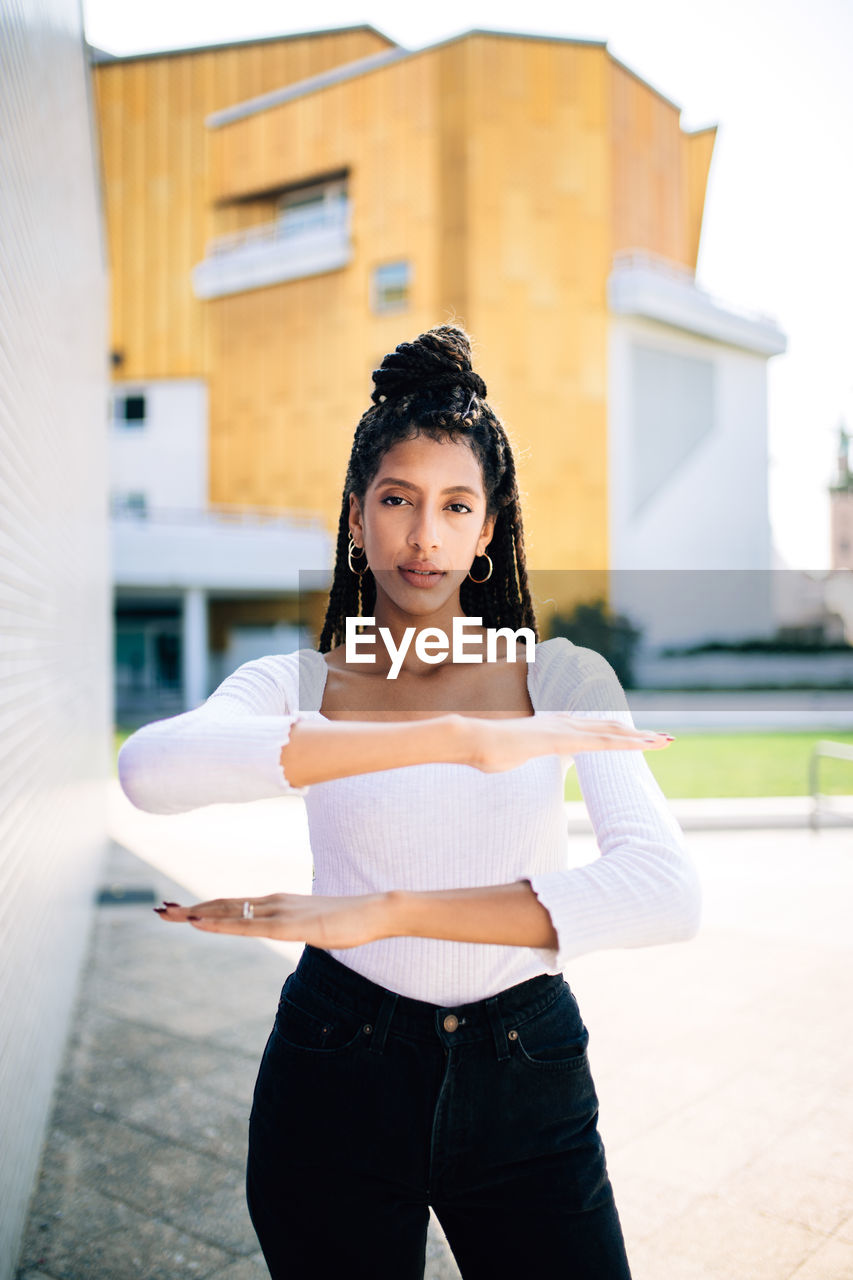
<point>170,904</point>
<point>161,911</point>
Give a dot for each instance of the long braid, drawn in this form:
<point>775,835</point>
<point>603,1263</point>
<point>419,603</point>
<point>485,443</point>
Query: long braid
<point>515,525</point>
<point>429,386</point>
<point>344,593</point>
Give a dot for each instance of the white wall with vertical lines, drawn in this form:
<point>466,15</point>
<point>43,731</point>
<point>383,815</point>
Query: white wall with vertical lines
<point>55,606</point>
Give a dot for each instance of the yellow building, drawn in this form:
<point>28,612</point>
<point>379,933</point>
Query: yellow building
<point>282,213</point>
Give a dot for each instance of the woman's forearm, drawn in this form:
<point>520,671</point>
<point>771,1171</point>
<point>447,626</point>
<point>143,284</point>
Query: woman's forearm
<point>320,752</point>
<point>506,914</point>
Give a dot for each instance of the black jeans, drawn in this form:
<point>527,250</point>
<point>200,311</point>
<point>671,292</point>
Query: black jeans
<point>369,1107</point>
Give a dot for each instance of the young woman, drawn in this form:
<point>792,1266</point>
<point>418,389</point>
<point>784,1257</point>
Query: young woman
<point>427,1049</point>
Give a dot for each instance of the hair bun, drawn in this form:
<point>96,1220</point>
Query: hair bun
<point>441,357</point>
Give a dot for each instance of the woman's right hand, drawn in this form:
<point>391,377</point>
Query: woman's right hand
<point>500,745</point>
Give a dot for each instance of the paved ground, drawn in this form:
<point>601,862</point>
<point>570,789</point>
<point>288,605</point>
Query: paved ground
<point>723,1065</point>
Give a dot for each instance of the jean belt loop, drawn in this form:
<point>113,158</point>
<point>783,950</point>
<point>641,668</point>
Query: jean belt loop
<point>501,1042</point>
<point>383,1022</point>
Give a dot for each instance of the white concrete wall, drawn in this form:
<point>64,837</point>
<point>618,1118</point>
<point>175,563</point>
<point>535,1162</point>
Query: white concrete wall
<point>710,509</point>
<point>166,459</point>
<point>55,667</point>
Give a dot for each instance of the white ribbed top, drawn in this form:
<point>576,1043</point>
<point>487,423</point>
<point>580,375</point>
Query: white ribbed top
<point>444,826</point>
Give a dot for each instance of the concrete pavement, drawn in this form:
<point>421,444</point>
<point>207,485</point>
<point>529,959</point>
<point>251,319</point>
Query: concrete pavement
<point>722,1065</point>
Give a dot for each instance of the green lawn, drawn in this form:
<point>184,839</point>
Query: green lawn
<point>701,765</point>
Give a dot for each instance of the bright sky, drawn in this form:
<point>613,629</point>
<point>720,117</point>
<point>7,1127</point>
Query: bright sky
<point>774,75</point>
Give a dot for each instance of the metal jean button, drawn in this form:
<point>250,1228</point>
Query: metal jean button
<point>451,1022</point>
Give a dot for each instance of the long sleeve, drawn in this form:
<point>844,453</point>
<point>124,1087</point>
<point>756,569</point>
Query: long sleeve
<point>224,752</point>
<point>643,889</point>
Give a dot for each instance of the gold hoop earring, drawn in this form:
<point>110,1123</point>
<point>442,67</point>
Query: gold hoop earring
<point>350,548</point>
<point>488,575</point>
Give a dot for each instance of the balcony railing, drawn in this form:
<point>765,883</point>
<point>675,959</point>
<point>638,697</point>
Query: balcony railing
<point>295,223</point>
<point>303,242</point>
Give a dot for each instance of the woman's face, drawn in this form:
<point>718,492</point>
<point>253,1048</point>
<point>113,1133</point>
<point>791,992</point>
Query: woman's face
<point>422,522</point>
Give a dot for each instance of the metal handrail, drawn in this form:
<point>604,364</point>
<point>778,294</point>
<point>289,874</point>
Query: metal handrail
<point>824,747</point>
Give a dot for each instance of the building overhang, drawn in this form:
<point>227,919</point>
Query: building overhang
<point>642,284</point>
<point>217,550</point>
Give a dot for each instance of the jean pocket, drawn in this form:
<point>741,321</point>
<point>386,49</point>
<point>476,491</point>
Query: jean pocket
<point>555,1037</point>
<point>312,1023</point>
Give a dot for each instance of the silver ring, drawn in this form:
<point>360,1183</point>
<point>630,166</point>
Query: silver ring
<point>248,911</point>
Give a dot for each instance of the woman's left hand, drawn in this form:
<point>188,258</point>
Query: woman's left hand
<point>320,921</point>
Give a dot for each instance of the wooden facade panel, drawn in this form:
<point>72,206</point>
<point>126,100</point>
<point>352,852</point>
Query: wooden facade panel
<point>162,194</point>
<point>541,316</point>
<point>657,200</point>
<point>593,74</point>
<point>133,213</point>
<point>157,184</point>
<point>544,70</point>
<point>321,132</point>
<point>697,150</point>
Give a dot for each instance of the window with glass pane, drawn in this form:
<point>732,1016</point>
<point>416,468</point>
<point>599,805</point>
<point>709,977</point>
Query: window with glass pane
<point>391,285</point>
<point>134,503</point>
<point>129,411</point>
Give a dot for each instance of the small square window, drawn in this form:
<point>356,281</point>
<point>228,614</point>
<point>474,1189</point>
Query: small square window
<point>130,411</point>
<point>391,286</point>
<point>133,503</point>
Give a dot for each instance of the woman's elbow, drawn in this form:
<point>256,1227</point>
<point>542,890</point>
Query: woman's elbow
<point>674,893</point>
<point>134,777</point>
<point>686,904</point>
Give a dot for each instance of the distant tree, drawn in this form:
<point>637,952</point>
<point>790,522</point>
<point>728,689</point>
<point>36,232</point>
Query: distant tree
<point>594,626</point>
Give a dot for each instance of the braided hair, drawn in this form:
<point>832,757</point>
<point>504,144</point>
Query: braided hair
<point>429,387</point>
